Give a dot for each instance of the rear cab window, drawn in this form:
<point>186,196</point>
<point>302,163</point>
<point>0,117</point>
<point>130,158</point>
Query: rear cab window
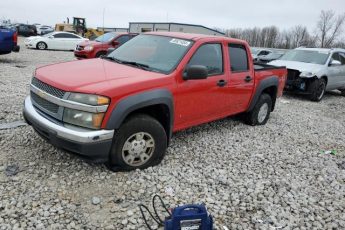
<point>238,58</point>
<point>211,56</point>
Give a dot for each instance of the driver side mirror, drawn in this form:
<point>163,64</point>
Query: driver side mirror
<point>334,63</point>
<point>115,43</point>
<point>50,37</point>
<point>196,72</point>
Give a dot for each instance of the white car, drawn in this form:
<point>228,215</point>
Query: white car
<point>55,41</point>
<point>313,71</point>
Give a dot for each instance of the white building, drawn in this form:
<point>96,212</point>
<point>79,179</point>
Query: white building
<point>141,27</point>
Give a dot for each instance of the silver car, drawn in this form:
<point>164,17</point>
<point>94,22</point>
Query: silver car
<point>313,71</point>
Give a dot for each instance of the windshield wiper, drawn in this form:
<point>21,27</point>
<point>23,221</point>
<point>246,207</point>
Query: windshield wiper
<point>112,59</point>
<point>133,63</point>
<point>137,64</point>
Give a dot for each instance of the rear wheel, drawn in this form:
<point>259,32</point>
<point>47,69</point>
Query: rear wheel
<point>261,111</point>
<point>317,89</point>
<point>41,46</point>
<point>139,143</point>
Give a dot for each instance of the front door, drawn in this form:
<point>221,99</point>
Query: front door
<point>199,101</point>
<point>336,73</point>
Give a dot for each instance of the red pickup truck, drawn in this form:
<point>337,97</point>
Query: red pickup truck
<point>123,108</point>
<point>100,46</point>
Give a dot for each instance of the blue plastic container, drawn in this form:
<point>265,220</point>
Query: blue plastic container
<point>189,217</point>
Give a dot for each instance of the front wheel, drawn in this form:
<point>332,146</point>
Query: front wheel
<point>261,111</point>
<point>41,46</point>
<point>139,143</point>
<point>317,89</point>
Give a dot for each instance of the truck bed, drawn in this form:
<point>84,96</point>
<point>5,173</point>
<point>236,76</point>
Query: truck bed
<point>263,71</point>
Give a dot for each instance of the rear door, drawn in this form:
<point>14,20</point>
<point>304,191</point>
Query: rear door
<point>241,81</point>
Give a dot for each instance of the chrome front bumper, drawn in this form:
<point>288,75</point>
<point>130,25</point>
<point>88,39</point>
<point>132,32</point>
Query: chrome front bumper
<point>92,143</point>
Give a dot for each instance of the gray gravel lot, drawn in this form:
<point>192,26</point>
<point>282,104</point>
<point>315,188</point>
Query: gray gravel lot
<point>267,177</point>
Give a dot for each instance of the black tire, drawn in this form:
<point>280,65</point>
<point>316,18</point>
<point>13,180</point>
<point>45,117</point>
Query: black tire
<point>255,117</point>
<point>99,54</point>
<point>317,89</point>
<point>139,123</point>
<point>41,46</point>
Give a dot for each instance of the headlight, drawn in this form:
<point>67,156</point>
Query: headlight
<point>88,48</point>
<point>88,99</point>
<point>307,74</point>
<point>83,119</point>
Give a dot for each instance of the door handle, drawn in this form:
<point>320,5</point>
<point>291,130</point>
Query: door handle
<point>248,79</point>
<point>222,83</point>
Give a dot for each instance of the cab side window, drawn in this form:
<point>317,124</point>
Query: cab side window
<point>211,56</point>
<point>238,58</point>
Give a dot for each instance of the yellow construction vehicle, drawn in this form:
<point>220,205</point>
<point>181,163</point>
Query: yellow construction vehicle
<point>79,27</point>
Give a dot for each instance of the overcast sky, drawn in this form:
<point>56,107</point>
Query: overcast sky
<point>216,13</point>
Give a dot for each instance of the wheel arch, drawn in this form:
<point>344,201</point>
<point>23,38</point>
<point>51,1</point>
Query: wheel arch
<point>269,86</point>
<point>156,103</point>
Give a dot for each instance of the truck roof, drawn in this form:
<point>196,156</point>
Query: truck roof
<point>194,37</point>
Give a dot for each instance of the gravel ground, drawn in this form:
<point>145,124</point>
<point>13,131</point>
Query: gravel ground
<point>268,177</point>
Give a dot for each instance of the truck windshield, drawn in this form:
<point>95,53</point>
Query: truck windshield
<point>106,37</point>
<point>157,53</point>
<point>307,56</point>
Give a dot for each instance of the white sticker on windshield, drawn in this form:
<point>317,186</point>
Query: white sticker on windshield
<point>179,42</point>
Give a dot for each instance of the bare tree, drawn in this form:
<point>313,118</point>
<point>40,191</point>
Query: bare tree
<point>329,27</point>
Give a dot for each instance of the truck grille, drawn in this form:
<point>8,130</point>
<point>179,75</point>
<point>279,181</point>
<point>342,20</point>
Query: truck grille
<point>48,88</point>
<point>47,105</point>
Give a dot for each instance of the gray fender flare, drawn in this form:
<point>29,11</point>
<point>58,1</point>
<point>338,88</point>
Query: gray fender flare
<point>138,101</point>
<point>264,84</point>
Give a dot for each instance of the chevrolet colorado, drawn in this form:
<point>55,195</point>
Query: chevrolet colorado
<point>123,108</point>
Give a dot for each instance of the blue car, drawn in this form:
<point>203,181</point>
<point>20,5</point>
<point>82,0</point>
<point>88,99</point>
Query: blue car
<point>8,40</point>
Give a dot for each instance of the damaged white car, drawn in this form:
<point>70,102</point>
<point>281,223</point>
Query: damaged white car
<point>314,71</point>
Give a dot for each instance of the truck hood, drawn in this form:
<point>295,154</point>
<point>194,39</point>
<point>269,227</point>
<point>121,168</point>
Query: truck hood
<point>300,66</point>
<point>93,75</point>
